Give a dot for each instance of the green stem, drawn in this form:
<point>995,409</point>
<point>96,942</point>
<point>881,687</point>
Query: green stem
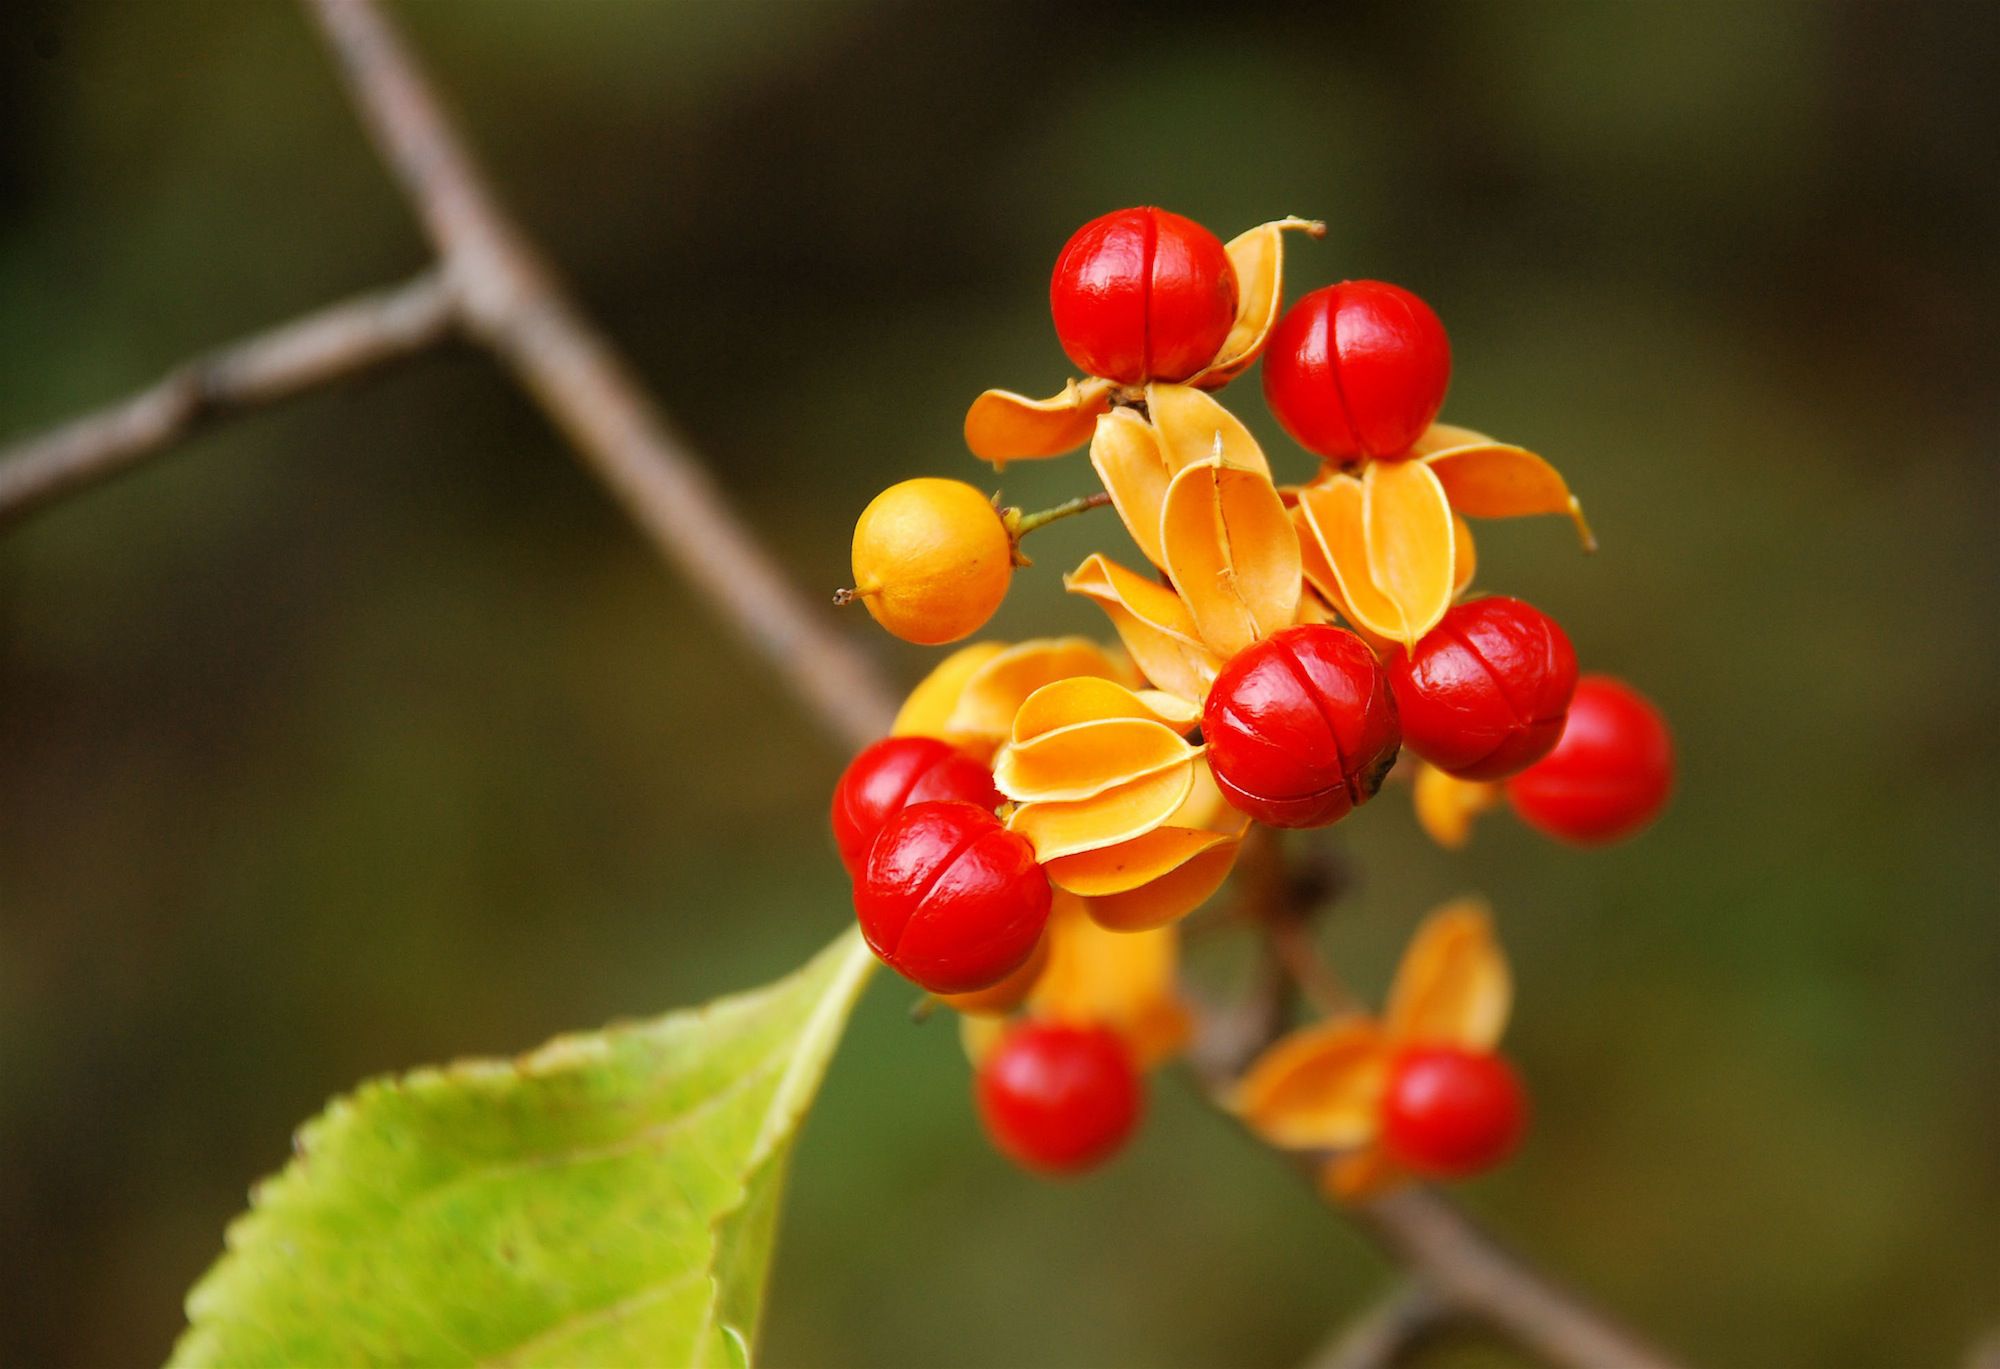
<point>1024,523</point>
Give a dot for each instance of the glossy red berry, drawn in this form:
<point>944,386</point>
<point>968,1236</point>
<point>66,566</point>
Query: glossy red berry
<point>1450,1112</point>
<point>1357,370</point>
<point>893,774</point>
<point>1301,727</point>
<point>1059,1099</point>
<point>1142,294</point>
<point>1608,776</point>
<point>1485,692</point>
<point>950,899</point>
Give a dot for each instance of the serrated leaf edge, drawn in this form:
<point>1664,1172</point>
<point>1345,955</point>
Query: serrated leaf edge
<point>818,1038</point>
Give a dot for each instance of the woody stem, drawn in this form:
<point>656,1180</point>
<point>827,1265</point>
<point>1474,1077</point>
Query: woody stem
<point>1469,1273</point>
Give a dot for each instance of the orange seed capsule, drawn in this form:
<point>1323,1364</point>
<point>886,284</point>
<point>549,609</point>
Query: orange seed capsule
<point>932,559</point>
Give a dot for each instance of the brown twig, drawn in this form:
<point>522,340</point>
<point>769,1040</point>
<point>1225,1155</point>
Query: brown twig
<point>1388,1332</point>
<point>1466,1268</point>
<point>339,341</point>
<point>1267,901</point>
<point>1232,1036</point>
<point>1480,1277</point>
<point>494,285</point>
<point>513,302</point>
<point>1458,1263</point>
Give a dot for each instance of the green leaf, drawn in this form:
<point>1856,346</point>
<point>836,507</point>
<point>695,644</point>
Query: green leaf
<point>609,1199</point>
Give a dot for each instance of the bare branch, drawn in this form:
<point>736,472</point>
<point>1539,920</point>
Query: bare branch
<point>1478,1276</point>
<point>339,341</point>
<point>1386,1333</point>
<point>1269,902</point>
<point>1233,1036</point>
<point>1431,1237</point>
<point>512,301</point>
<point>1291,940</point>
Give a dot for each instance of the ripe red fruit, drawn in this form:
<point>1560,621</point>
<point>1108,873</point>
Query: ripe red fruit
<point>1141,294</point>
<point>1485,692</point>
<point>1357,369</point>
<point>1301,727</point>
<point>1450,1112</point>
<point>893,774</point>
<point>1059,1099</point>
<point>950,899</point>
<point>1609,775</point>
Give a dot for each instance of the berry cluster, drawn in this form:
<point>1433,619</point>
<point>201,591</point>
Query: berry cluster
<point>1045,813</point>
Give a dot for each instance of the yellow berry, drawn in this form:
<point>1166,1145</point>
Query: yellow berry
<point>932,560</point>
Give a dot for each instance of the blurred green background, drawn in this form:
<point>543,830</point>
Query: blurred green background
<point>363,733</point>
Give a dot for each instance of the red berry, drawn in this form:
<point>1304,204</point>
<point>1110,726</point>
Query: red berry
<point>1059,1099</point>
<point>950,899</point>
<point>1450,1112</point>
<point>1301,727</point>
<point>894,773</point>
<point>1142,294</point>
<point>1485,692</point>
<point>1357,369</point>
<point>1609,775</point>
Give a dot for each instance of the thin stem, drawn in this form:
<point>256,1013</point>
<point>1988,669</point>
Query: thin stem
<point>512,301</point>
<point>1321,984</point>
<point>1477,1277</point>
<point>1021,524</point>
<point>1388,1332</point>
<point>1421,1230</point>
<point>1481,1277</point>
<point>1267,900</point>
<point>309,353</point>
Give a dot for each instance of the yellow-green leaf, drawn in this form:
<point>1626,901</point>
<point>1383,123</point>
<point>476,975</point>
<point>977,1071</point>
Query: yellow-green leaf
<point>610,1198</point>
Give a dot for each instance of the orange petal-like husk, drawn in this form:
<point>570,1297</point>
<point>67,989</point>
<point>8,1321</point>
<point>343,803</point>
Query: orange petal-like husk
<point>1441,437</point>
<point>1487,479</point>
<point>1087,698</point>
<point>980,1033</point>
<point>1320,1088</point>
<point>1117,869</point>
<point>1084,760</point>
<point>1129,810</point>
<point>1232,553</point>
<point>1330,518</point>
<point>1192,428</point>
<point>1009,993</point>
<point>1205,807</point>
<point>1173,894</point>
<point>1002,426</point>
<point>927,712</point>
<point>1258,257</point>
<point>1153,623</point>
<point>1453,987</point>
<point>996,688</point>
<point>1410,541</point>
<point>1125,451</point>
<point>1121,980</point>
<point>1447,805</point>
<point>1323,602</point>
<point>1465,556</point>
<point>1367,1173</point>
